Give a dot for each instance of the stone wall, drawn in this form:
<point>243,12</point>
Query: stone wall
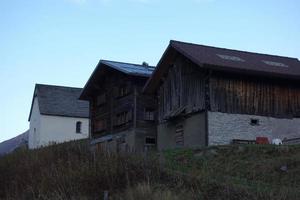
<point>223,127</point>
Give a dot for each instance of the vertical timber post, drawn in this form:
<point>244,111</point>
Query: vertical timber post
<point>207,104</point>
<point>134,107</point>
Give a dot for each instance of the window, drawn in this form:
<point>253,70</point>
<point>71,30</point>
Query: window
<point>254,122</point>
<point>100,125</point>
<point>101,99</point>
<point>123,91</point>
<point>232,58</point>
<point>149,114</point>
<point>121,140</point>
<point>150,140</point>
<point>78,127</point>
<point>123,118</point>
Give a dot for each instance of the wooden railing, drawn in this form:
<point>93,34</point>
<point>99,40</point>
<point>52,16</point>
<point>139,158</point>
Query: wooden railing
<point>291,141</point>
<point>238,141</point>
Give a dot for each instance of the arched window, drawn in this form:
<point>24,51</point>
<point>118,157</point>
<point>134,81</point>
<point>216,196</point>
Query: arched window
<point>78,127</point>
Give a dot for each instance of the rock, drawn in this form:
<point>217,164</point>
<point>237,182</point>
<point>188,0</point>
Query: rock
<point>241,149</point>
<point>211,152</point>
<point>198,155</point>
<point>284,168</point>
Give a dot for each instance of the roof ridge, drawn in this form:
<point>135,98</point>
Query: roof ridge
<point>140,65</point>
<point>57,86</point>
<point>249,52</point>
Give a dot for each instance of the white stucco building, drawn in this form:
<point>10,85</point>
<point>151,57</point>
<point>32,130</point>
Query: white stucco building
<point>57,115</point>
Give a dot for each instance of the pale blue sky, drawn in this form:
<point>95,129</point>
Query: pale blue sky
<point>60,41</point>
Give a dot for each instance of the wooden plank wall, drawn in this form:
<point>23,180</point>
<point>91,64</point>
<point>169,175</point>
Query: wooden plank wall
<point>183,88</point>
<point>115,105</point>
<point>254,96</point>
<point>189,88</point>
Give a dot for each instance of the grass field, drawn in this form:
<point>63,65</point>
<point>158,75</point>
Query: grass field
<point>71,171</point>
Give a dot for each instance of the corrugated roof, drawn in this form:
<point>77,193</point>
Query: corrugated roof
<point>126,68</point>
<point>60,101</point>
<point>221,59</point>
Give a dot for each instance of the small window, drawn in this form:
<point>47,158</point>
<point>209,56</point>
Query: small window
<point>121,140</point>
<point>149,114</point>
<point>100,125</point>
<point>78,127</point>
<point>254,122</point>
<point>150,140</point>
<point>123,91</point>
<point>123,118</point>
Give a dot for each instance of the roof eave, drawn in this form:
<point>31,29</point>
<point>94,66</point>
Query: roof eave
<point>149,86</point>
<point>62,115</point>
<point>83,95</point>
<point>32,101</point>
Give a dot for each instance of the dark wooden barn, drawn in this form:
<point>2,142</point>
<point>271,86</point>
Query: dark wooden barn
<point>121,117</point>
<point>210,96</point>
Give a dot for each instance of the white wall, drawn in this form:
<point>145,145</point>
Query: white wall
<point>54,129</point>
<point>35,125</point>
<point>223,127</point>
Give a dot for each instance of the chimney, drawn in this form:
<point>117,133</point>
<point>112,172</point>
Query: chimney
<point>145,64</point>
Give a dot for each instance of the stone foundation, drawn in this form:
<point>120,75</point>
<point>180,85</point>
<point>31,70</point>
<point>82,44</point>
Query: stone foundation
<point>223,127</point>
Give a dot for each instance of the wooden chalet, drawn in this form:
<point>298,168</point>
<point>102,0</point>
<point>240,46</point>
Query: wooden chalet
<point>210,96</point>
<point>121,117</point>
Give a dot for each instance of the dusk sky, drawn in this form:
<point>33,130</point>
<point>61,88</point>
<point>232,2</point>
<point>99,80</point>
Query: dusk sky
<point>59,42</point>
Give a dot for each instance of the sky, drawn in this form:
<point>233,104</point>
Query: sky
<point>59,42</point>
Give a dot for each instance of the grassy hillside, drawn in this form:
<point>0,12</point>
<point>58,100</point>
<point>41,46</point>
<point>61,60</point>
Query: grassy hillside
<point>71,171</point>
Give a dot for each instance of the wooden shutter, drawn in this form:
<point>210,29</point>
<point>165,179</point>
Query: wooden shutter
<point>179,135</point>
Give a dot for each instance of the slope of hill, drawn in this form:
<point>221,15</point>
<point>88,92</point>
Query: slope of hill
<point>13,143</point>
<point>72,171</point>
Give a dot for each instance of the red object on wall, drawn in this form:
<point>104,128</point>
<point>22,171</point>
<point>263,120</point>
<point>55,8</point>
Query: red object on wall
<point>262,140</point>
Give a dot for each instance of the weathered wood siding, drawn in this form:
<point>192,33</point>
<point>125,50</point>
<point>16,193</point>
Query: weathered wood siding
<point>134,103</point>
<point>182,90</point>
<point>254,96</point>
<point>187,88</point>
<point>113,105</point>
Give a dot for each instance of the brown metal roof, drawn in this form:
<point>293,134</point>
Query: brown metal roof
<point>228,60</point>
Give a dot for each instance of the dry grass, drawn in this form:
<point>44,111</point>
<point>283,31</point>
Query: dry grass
<point>146,191</point>
<point>72,171</point>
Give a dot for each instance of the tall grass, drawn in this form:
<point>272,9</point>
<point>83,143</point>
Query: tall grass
<point>72,171</point>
